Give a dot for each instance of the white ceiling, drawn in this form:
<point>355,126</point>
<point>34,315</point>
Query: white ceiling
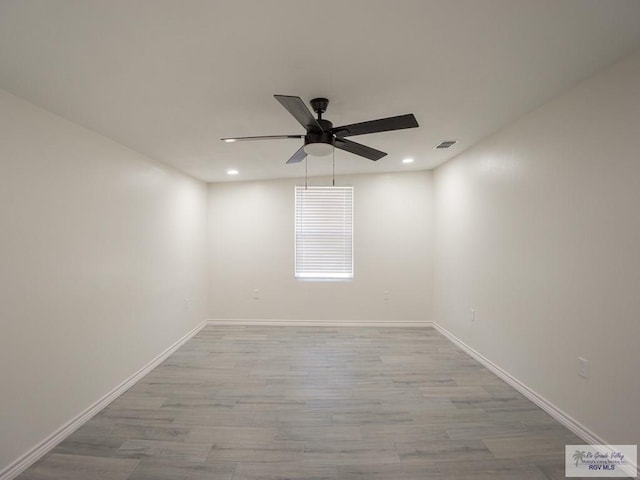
<point>169,78</point>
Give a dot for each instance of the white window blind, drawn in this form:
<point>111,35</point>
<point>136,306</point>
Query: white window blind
<point>324,232</point>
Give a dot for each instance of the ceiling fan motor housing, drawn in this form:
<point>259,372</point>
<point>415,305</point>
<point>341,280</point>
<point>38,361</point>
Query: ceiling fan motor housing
<point>319,137</point>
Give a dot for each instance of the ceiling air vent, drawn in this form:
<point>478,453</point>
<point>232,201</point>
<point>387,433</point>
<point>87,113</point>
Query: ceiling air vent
<point>446,144</point>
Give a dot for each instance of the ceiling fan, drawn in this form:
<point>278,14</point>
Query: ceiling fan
<point>322,136</point>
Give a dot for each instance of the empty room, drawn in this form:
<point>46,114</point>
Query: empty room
<point>292,239</point>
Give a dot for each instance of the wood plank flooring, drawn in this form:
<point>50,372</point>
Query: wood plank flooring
<point>245,403</point>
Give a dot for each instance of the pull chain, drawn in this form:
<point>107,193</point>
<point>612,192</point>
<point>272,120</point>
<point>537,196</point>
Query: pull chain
<point>306,159</point>
<point>334,167</point>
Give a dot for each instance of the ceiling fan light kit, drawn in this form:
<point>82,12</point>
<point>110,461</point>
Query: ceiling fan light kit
<point>322,136</point>
<point>318,149</point>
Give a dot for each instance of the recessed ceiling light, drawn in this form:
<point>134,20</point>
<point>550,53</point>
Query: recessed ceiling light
<point>407,160</point>
<point>232,172</point>
<point>229,140</point>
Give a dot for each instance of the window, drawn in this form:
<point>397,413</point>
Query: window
<point>324,232</point>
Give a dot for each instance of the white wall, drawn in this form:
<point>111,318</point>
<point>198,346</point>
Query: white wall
<point>252,243</point>
<point>538,229</point>
<point>100,246</point>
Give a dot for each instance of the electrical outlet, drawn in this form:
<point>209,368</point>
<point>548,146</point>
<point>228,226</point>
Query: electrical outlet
<point>583,367</point>
<point>256,294</point>
<point>472,315</point>
<point>386,294</point>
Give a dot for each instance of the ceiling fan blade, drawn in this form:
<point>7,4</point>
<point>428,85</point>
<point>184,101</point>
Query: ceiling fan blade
<point>263,137</point>
<point>359,149</point>
<point>375,126</point>
<point>298,156</point>
<point>296,107</point>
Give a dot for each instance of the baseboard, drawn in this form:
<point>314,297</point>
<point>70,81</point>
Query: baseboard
<point>566,420</point>
<point>25,461</point>
<point>319,323</point>
<point>571,423</point>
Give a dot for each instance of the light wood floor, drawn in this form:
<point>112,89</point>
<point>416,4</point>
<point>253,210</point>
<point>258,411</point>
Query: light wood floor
<point>314,403</point>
